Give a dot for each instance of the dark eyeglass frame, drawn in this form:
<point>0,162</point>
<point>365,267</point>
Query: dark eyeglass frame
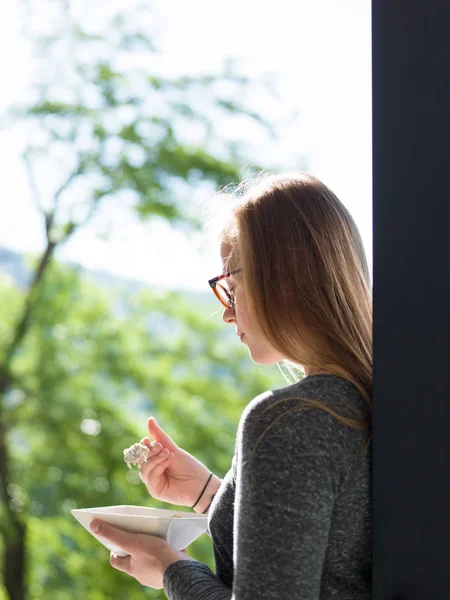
<point>213,283</point>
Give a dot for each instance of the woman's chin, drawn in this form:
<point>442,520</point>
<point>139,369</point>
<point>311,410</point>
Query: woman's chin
<point>262,359</point>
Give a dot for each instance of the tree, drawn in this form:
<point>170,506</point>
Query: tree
<point>91,369</point>
<point>109,131</point>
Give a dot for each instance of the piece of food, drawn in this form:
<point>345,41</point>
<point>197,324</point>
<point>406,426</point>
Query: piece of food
<point>136,454</point>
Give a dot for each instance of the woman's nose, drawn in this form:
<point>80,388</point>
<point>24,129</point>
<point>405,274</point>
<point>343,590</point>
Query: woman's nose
<point>228,315</point>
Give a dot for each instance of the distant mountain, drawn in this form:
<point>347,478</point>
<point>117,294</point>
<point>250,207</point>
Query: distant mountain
<point>14,264</point>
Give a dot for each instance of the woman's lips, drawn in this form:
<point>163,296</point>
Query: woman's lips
<point>241,335</point>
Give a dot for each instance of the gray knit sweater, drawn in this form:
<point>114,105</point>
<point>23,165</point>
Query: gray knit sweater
<point>293,516</point>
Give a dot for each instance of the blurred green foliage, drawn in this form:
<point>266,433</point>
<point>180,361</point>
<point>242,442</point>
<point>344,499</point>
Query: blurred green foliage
<point>105,110</point>
<point>92,368</point>
<point>81,368</point>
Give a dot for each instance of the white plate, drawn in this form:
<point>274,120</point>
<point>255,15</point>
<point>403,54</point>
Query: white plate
<point>178,528</point>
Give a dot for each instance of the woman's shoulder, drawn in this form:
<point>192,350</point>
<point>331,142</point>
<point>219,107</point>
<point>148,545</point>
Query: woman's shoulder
<point>329,390</point>
<point>306,410</point>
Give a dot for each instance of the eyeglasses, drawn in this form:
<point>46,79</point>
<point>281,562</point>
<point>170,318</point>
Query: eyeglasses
<point>222,293</point>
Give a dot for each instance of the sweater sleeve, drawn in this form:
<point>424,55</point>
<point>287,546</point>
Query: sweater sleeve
<point>285,490</point>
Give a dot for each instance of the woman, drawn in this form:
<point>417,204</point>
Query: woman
<point>292,517</point>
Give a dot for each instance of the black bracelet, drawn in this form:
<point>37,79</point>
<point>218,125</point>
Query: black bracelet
<point>201,494</point>
<point>207,508</point>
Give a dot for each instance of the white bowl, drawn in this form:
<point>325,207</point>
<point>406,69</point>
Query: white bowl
<point>178,528</point>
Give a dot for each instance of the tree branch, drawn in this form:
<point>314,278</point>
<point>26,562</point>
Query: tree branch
<point>78,171</point>
<point>22,325</point>
<point>49,216</point>
<point>32,181</point>
<point>49,224</point>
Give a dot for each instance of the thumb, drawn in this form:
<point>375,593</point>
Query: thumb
<point>123,539</point>
<point>160,435</point>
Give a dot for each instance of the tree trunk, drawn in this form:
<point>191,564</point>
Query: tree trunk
<point>14,562</point>
<point>12,527</point>
<point>24,322</point>
<point>13,530</point>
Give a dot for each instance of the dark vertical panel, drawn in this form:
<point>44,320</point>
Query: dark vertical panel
<point>411,161</point>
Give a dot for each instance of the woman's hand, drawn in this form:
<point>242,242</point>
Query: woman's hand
<point>172,474</point>
<point>149,556</point>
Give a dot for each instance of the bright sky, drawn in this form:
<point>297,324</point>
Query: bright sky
<point>319,51</point>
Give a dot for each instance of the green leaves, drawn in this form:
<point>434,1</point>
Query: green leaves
<point>57,109</point>
<point>130,134</point>
<point>125,124</point>
<point>92,368</point>
<point>106,74</point>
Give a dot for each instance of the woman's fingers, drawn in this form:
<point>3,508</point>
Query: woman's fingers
<point>158,471</point>
<point>152,459</point>
<point>159,456</point>
<point>123,539</point>
<point>159,434</point>
<point>156,457</point>
<point>121,563</point>
<point>152,446</point>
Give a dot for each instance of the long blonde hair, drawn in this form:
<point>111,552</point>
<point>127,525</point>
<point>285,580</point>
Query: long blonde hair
<point>305,275</point>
